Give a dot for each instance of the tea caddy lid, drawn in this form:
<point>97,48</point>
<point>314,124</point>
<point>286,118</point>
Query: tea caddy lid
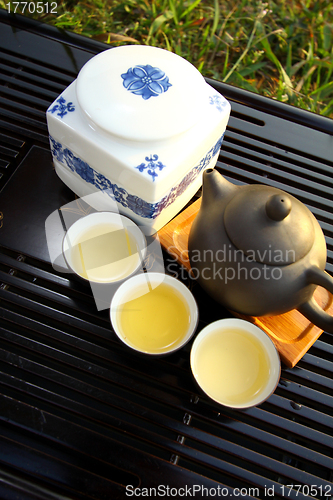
<point>269,226</point>
<point>141,93</point>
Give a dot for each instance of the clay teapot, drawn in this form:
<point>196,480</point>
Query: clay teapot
<point>258,250</point>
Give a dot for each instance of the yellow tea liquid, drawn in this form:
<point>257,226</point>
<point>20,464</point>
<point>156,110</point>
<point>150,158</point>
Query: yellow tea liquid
<point>104,253</point>
<point>232,366</point>
<point>155,321</point>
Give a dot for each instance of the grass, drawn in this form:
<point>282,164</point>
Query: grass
<point>281,49</point>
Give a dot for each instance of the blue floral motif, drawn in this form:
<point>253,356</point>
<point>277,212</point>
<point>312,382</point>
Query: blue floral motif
<point>141,207</point>
<point>137,205</point>
<point>218,101</point>
<point>79,166</point>
<point>146,81</point>
<point>102,182</point>
<point>218,145</point>
<point>152,165</point>
<point>206,159</point>
<point>62,107</point>
<point>56,150</point>
<point>120,194</point>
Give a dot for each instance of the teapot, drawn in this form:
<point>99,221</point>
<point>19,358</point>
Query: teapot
<point>258,250</point>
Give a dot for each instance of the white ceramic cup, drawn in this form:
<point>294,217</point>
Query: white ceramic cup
<point>234,369</point>
<point>109,255</point>
<point>142,284</point>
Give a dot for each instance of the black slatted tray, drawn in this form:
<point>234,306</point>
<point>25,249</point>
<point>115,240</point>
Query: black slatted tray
<point>82,417</point>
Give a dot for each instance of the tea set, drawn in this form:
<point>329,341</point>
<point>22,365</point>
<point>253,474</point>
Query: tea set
<point>140,127</point>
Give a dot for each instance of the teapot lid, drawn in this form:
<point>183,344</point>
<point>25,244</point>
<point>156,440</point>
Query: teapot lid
<point>269,225</point>
<point>141,93</point>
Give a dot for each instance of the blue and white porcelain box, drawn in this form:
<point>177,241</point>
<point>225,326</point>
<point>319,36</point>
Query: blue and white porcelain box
<point>138,126</point>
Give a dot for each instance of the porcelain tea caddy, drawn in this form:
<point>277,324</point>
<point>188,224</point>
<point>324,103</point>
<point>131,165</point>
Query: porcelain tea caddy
<point>258,250</point>
<point>139,125</point>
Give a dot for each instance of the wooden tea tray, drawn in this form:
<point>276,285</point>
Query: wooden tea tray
<point>291,332</point>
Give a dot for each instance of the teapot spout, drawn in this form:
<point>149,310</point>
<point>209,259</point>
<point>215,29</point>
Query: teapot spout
<point>215,186</point>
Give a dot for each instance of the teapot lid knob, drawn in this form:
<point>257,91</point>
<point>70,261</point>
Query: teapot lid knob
<point>278,207</point>
<point>268,225</point>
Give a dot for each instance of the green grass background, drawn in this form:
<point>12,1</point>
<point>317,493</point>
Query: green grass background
<point>281,49</point>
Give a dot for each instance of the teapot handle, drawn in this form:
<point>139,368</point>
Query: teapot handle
<point>311,309</point>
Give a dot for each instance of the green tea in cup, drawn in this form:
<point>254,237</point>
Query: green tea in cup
<point>235,363</point>
<point>104,247</point>
<point>154,313</point>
